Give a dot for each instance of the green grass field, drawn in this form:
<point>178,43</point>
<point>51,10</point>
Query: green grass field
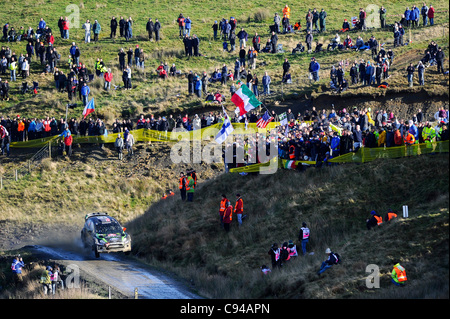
<point>152,95</point>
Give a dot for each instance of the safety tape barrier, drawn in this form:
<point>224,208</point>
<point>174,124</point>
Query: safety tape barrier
<point>147,135</point>
<point>363,155</point>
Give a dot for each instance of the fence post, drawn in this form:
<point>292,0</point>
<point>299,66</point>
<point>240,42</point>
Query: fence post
<point>1,182</point>
<point>50,149</point>
<point>15,174</point>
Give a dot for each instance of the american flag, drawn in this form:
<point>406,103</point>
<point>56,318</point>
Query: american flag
<point>264,120</point>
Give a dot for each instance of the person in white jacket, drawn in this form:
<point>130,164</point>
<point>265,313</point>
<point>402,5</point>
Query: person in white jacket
<point>87,31</point>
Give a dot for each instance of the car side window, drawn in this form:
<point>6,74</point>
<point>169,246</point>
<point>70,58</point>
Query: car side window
<point>89,225</point>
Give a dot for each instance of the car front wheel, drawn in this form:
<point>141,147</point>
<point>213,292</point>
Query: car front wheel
<point>97,254</point>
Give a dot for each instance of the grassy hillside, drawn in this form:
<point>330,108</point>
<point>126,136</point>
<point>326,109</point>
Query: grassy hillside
<point>152,95</point>
<point>335,202</point>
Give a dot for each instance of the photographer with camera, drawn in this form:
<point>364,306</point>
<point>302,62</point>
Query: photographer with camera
<point>16,268</point>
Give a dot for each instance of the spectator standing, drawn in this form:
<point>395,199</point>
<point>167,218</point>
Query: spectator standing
<point>383,17</point>
<point>239,209</point>
<point>87,31</point>
<point>440,60</point>
<point>362,19</point>
<point>322,20</point>
<point>182,186</point>
<point>227,216</point>
<point>421,71</point>
<point>215,28</point>
<point>276,23</point>
<point>113,27</point>
<point>85,90</point>
<point>190,188</point>
<point>65,26</point>
<point>430,15</point>
<point>108,76</point>
<point>96,28</point>
<point>188,26</point>
<point>410,74</point>
<point>157,30</point>
<point>303,237</point>
<point>242,36</point>
<point>309,39</point>
<point>424,13</point>
<point>150,28</point>
<point>266,83</point>
<point>314,68</point>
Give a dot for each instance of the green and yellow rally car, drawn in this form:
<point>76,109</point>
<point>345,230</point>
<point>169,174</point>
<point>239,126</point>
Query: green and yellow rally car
<point>104,234</point>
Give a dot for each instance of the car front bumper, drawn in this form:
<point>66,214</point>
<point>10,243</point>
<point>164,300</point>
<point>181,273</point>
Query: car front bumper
<point>114,247</point>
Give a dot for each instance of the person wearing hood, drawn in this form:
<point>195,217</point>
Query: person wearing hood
<point>373,221</point>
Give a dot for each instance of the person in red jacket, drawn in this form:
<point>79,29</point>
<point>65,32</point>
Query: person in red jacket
<point>227,216</point>
<point>46,126</point>
<point>398,139</point>
<point>108,76</point>
<point>223,207</point>
<point>65,27</point>
<point>50,38</point>
<point>67,139</point>
<point>239,209</point>
<point>431,15</point>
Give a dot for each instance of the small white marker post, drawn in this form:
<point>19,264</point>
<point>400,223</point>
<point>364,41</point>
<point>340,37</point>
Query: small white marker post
<point>405,211</point>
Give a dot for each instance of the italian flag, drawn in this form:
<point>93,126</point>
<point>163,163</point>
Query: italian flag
<point>244,99</point>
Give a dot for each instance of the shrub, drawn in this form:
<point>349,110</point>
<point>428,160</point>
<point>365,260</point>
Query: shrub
<point>261,15</point>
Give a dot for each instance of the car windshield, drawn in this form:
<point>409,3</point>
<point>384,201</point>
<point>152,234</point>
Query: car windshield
<point>108,228</point>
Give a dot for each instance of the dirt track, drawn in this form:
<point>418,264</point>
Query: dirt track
<point>124,275</point>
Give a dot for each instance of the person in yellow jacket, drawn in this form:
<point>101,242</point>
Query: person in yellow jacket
<point>190,188</point>
<point>382,138</point>
<point>428,133</point>
<point>369,116</point>
<point>398,275</point>
<point>12,68</point>
<point>46,281</point>
<point>287,11</point>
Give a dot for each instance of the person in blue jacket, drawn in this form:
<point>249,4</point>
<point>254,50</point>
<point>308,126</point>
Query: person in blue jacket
<point>16,268</point>
<point>314,68</point>
<point>415,14</point>
<point>408,17</point>
<point>85,90</point>
<point>187,26</point>
<point>266,83</point>
<point>42,24</point>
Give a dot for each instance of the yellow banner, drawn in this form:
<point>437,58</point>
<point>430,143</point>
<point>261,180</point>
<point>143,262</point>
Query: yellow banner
<point>146,135</point>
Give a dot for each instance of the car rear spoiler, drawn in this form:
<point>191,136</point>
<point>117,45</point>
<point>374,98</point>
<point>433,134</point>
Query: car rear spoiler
<point>95,214</point>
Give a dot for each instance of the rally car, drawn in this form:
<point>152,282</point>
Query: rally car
<point>104,234</point>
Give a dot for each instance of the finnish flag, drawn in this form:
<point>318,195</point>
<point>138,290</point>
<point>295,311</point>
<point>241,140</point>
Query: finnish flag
<point>226,130</point>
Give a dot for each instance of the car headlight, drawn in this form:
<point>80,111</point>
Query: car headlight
<point>126,240</point>
<point>100,241</point>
